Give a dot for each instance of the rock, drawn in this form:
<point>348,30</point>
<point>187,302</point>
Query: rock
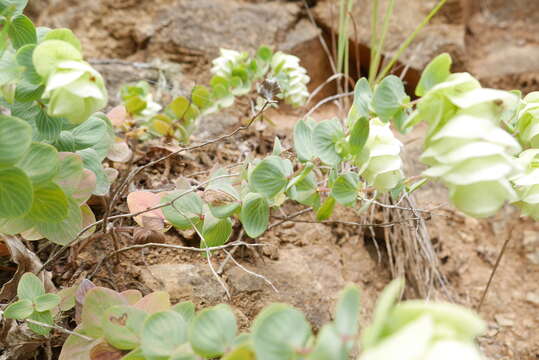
<point>532,298</point>
<point>534,257</point>
<point>193,282</point>
<point>502,320</point>
<point>530,240</point>
<point>241,281</point>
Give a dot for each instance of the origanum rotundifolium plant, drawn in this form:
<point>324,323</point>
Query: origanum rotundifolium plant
<point>52,140</point>
<point>128,326</point>
<point>235,73</point>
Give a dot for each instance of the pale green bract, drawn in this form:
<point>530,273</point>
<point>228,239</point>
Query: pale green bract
<point>74,89</point>
<point>528,121</point>
<point>419,330</point>
<point>227,61</point>
<point>383,165</point>
<point>465,146</point>
<point>527,183</point>
<point>291,77</point>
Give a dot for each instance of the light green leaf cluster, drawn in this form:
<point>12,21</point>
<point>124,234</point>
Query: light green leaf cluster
<point>527,183</point>
<point>465,145</point>
<point>33,304</point>
<point>73,88</point>
<point>228,60</point>
<point>151,328</point>
<point>527,125</point>
<point>380,161</point>
<point>420,330</point>
<point>291,77</point>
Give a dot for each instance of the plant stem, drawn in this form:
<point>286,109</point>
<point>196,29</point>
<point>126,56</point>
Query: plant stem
<point>374,40</point>
<point>409,40</point>
<point>378,51</point>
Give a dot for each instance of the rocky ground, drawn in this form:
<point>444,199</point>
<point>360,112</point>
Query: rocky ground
<point>171,42</point>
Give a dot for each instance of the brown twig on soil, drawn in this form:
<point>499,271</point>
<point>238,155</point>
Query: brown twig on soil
<point>496,265</point>
<point>136,171</point>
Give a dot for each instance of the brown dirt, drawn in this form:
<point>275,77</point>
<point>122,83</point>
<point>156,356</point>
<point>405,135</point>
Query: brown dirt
<point>309,263</point>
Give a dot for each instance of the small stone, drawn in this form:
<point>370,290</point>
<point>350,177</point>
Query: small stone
<point>534,257</point>
<point>530,239</point>
<point>532,298</point>
<point>503,321</point>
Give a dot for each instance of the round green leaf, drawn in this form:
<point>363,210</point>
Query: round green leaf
<point>389,97</point>
<point>24,58</point>
<point>345,188</point>
<point>122,326</point>
<point>267,177</point>
<point>347,312</point>
<point>435,72</point>
<point>22,31</point>
<point>201,97</point>
<point>254,214</point>
<point>303,141</point>
<point>325,135</point>
<point>40,163</point>
<point>15,139</point>
<point>329,345</point>
<point>163,333</point>
<point>212,331</point>
<point>362,98</point>
<point>96,301</point>
<point>215,231</point>
<point>16,193</point>
<point>19,310</point>
<point>49,205</point>
<point>185,211</point>
<point>70,172</point>
<point>66,230</point>
<point>42,317</point>
<point>358,135</point>
<point>46,302</point>
<point>280,332</point>
<point>30,287</point>
<point>186,309</point>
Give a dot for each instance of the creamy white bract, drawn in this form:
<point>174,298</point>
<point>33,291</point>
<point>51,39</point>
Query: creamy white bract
<point>527,183</point>
<point>465,146</point>
<point>380,163</point>
<point>74,89</point>
<point>292,78</point>
<point>227,61</point>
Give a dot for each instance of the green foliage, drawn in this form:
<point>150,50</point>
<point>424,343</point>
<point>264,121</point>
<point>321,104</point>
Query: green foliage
<point>33,304</point>
<point>50,94</point>
<point>236,73</point>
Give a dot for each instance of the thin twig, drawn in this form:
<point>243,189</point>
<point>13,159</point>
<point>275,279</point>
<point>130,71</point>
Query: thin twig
<point>498,260</point>
<point>326,100</point>
<point>252,272</point>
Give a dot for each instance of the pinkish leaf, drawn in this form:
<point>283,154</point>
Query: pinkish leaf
<point>120,152</point>
<point>88,218</point>
<point>96,302</point>
<point>154,302</point>
<point>85,187</point>
<point>132,296</point>
<point>118,115</point>
<point>143,200</point>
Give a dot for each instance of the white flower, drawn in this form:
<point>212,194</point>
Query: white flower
<point>292,78</point>
<point>527,183</point>
<point>383,168</point>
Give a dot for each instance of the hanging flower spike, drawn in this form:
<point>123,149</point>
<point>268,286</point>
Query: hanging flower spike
<point>465,146</point>
<point>383,169</point>
<point>527,183</point>
<point>528,121</point>
<point>292,78</point>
